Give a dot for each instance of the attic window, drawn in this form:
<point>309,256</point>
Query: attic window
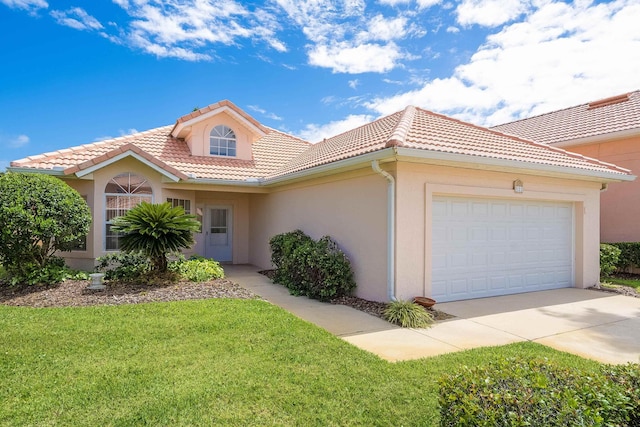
<point>222,141</point>
<point>608,101</point>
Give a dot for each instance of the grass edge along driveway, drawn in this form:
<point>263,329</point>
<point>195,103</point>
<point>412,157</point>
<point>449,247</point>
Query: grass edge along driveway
<point>211,362</point>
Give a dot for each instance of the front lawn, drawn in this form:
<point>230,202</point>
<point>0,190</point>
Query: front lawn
<point>210,362</point>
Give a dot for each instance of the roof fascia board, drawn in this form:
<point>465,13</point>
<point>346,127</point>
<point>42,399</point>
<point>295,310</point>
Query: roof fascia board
<point>222,109</point>
<point>33,170</point>
<point>598,138</point>
<point>346,164</point>
<point>121,156</point>
<point>510,165</point>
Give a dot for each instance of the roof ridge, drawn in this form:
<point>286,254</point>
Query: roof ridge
<point>399,134</point>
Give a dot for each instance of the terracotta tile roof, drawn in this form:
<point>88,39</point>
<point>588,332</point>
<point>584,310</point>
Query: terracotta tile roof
<point>424,130</point>
<point>605,116</point>
<point>277,154</point>
<point>269,153</point>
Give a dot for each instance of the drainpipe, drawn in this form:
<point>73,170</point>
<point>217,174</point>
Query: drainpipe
<point>391,238</point>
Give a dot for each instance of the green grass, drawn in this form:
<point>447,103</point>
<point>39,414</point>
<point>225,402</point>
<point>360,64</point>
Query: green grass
<point>634,283</point>
<point>211,362</point>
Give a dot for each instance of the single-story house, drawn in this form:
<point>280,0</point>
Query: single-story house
<point>422,204</point>
<point>608,130</point>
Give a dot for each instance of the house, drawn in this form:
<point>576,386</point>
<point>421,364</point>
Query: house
<point>608,130</point>
<point>422,204</point>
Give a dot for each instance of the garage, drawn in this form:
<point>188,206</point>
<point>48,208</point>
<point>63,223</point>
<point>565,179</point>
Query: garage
<point>490,247</point>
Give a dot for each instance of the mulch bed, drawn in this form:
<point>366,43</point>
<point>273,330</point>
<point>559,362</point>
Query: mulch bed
<point>73,293</point>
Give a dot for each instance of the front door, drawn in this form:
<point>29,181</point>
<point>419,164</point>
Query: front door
<point>219,233</point>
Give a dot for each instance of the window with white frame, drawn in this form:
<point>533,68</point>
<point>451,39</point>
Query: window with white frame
<point>222,141</point>
<point>123,193</point>
<point>183,203</point>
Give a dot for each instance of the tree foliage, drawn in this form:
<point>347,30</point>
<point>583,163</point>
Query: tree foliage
<point>39,215</point>
<point>156,230</point>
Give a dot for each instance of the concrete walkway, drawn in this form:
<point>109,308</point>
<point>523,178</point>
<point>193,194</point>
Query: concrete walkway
<point>596,325</point>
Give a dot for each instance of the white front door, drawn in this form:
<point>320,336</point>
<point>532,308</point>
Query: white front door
<point>219,233</point>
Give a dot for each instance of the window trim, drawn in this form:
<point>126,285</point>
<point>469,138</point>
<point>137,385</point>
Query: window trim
<point>222,135</point>
<point>106,222</point>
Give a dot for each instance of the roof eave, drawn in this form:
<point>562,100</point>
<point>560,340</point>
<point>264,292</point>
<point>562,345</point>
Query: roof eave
<point>128,153</point>
<point>56,171</point>
<point>343,165</point>
<point>506,165</point>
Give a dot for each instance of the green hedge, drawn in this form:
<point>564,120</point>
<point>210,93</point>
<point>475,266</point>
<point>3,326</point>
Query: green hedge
<point>629,255</point>
<point>317,269</point>
<point>513,392</point>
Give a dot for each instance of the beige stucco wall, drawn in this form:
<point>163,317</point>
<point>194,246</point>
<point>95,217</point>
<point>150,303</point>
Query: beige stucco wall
<point>418,183</point>
<point>83,260</point>
<point>351,208</point>
<point>620,204</point>
<point>198,139</point>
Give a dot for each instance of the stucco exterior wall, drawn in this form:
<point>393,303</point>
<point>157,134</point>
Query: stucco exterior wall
<point>83,260</point>
<point>351,208</point>
<point>620,203</point>
<point>418,183</point>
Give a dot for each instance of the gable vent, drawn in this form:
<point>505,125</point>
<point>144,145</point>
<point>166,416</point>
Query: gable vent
<point>608,101</point>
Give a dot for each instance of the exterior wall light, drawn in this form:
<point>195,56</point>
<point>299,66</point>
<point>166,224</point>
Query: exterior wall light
<point>518,187</point>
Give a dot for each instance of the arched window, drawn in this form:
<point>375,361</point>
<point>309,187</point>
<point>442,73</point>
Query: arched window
<point>222,141</point>
<point>122,193</point>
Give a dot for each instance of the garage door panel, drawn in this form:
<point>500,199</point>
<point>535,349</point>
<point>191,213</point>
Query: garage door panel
<point>486,247</point>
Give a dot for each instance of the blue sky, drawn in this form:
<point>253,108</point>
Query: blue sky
<point>76,72</point>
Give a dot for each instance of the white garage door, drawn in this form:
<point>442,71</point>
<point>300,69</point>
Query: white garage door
<point>490,247</point>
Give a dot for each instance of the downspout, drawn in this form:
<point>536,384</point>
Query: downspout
<point>391,238</point>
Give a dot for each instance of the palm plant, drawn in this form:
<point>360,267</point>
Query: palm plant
<point>156,230</point>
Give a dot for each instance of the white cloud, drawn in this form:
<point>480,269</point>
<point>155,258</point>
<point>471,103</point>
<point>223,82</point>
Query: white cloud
<point>28,5</point>
<point>189,29</point>
<point>18,141</point>
<point>316,133</point>
<point>264,112</point>
<point>353,84</point>
<point>560,55</point>
<point>381,28</point>
<point>453,30</point>
<point>76,18</point>
<point>343,57</point>
<point>489,13</point>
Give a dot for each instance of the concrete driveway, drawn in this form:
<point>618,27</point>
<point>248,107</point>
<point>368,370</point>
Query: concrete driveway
<point>592,324</point>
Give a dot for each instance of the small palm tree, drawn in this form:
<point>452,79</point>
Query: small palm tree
<point>156,230</point>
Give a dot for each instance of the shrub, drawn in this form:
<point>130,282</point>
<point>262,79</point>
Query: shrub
<point>125,266</point>
<point>39,215</point>
<point>514,392</point>
<point>55,271</point>
<point>282,248</point>
<point>318,269</point>
<point>629,255</point>
<point>609,257</point>
<point>628,377</point>
<point>198,269</point>
<point>407,314</point>
<point>156,230</point>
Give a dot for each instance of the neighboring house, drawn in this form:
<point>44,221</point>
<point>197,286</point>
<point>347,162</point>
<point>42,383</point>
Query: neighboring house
<point>608,130</point>
<point>422,204</point>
